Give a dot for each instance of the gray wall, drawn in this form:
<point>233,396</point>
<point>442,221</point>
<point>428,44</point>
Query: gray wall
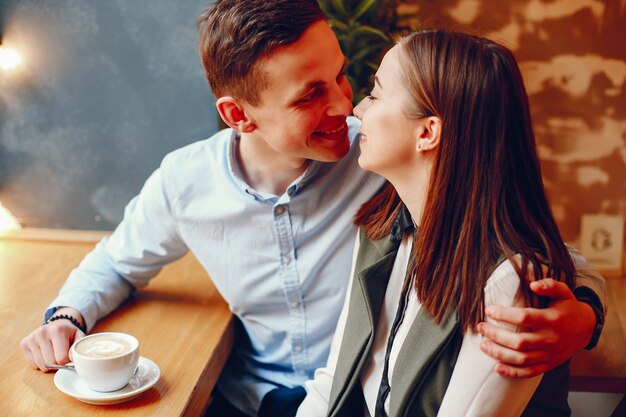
<point>106,89</point>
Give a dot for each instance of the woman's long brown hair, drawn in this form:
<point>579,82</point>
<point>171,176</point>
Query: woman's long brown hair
<point>486,196</point>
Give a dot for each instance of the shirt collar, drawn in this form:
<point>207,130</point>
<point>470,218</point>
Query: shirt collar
<point>402,224</point>
<point>311,172</point>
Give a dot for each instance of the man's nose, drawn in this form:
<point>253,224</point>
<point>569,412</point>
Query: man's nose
<point>340,101</point>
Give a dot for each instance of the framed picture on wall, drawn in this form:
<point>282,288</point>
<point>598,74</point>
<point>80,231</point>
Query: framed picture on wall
<point>602,242</point>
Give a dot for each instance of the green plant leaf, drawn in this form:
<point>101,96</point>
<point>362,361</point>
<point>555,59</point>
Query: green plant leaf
<point>372,65</point>
<point>324,6</point>
<point>340,7</point>
<point>338,25</point>
<point>364,52</point>
<point>363,29</point>
<point>364,7</point>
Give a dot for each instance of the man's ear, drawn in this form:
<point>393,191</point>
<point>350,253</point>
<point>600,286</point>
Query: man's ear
<point>428,133</point>
<point>234,115</point>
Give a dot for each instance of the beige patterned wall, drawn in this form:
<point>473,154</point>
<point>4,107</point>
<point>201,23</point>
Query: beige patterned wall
<point>573,57</point>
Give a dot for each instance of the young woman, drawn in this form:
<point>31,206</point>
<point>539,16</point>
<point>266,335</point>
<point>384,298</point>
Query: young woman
<point>462,224</point>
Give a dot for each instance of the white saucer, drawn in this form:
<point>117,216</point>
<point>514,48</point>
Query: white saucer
<point>69,383</point>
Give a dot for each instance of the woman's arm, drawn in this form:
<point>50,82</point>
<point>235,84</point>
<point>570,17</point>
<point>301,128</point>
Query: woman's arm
<point>475,388</point>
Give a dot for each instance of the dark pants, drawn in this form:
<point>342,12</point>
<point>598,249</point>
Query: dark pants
<point>280,402</point>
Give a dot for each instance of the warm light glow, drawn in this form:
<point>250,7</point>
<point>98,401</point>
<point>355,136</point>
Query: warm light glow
<point>7,220</point>
<point>9,58</point>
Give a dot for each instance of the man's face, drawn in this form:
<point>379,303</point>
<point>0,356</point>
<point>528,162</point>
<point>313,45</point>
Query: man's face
<point>303,109</point>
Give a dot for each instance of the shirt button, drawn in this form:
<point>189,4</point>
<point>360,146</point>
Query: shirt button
<point>297,348</point>
<point>279,210</point>
<point>294,304</point>
<point>286,260</point>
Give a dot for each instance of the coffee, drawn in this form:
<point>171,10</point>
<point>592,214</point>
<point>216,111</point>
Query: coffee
<point>106,361</point>
<point>103,346</point>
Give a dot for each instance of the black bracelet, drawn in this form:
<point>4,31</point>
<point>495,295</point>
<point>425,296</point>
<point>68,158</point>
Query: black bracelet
<point>587,296</point>
<point>73,320</point>
<point>597,330</point>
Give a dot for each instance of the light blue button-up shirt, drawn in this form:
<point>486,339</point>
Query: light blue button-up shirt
<point>281,262</point>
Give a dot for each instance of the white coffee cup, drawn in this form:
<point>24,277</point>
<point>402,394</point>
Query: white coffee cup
<point>106,361</point>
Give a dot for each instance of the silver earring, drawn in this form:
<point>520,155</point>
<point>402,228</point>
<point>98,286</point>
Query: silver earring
<point>419,146</point>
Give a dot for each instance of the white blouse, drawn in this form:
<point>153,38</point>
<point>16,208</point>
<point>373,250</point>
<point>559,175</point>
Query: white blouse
<point>475,389</point>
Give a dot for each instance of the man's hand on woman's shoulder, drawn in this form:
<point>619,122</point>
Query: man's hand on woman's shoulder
<point>547,337</point>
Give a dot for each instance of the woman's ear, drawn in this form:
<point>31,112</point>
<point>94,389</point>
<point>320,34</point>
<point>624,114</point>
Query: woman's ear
<point>234,115</point>
<point>428,133</point>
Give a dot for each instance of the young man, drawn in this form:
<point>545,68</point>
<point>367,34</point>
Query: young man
<point>267,209</point>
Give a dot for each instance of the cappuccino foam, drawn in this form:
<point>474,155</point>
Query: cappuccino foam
<point>105,346</point>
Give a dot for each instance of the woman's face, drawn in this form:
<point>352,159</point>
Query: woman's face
<point>389,138</point>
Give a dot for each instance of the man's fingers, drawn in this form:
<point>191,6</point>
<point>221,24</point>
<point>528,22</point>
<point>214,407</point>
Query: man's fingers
<point>38,358</point>
<point>46,352</point>
<point>552,289</point>
<point>60,346</point>
<point>79,335</point>
<point>512,357</point>
<point>512,340</point>
<point>49,344</point>
<point>521,317</point>
<point>28,354</point>
<point>509,371</point>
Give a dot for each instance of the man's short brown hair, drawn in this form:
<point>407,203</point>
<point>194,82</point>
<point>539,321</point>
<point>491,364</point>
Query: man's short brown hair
<point>236,34</point>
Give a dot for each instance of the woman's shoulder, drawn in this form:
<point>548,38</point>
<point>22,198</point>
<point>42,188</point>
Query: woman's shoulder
<point>503,284</point>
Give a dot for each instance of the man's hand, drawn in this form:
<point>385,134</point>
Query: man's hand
<point>549,337</point>
<point>50,344</point>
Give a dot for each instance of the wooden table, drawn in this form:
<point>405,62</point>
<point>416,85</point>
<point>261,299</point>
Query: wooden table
<point>603,369</point>
<point>182,323</point>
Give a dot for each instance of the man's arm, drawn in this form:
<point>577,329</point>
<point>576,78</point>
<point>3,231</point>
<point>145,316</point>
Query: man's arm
<point>554,333</point>
<point>146,240</point>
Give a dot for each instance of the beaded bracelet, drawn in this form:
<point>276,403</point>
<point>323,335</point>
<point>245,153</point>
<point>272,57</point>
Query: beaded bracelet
<point>73,320</point>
